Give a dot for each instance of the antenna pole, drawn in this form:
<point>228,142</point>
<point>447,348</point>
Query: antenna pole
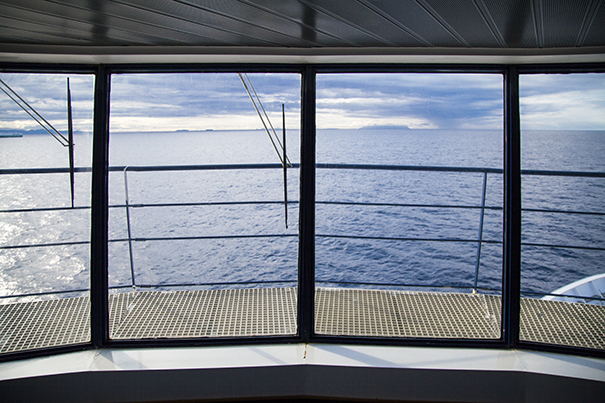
<point>70,143</point>
<point>284,159</point>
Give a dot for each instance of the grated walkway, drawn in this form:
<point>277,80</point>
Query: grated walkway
<point>272,311</point>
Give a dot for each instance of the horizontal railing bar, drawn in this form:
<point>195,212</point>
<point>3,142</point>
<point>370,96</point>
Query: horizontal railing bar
<point>583,174</point>
<point>455,240</point>
<point>193,204</point>
<point>193,238</point>
<point>563,295</point>
<point>37,209</point>
<point>408,168</point>
<point>535,210</point>
<point>407,205</point>
<point>25,171</point>
<point>378,238</point>
<point>406,285</point>
<point>139,205</point>
<point>39,245</point>
<point>457,206</point>
<point>42,293</point>
<point>37,294</point>
<point>215,283</point>
<point>201,237</point>
<point>210,167</point>
<point>296,165</point>
<point>544,245</point>
<point>460,169</point>
<point>115,287</point>
<point>189,238</point>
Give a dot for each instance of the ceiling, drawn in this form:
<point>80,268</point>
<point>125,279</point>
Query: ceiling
<point>101,29</point>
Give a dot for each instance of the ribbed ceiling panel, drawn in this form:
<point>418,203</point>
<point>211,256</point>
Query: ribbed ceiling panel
<point>495,24</point>
<point>465,20</point>
<point>374,28</point>
<point>299,20</point>
<point>422,25</point>
<point>563,22</point>
<point>515,22</point>
<point>595,27</point>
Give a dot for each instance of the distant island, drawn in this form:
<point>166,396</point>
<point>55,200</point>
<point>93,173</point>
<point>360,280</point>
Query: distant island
<point>390,127</point>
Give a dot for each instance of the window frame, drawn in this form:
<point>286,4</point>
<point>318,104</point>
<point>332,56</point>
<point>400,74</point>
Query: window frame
<point>511,270</point>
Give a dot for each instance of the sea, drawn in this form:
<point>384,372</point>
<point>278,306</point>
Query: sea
<point>413,229</point>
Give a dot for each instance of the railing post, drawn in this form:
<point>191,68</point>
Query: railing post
<point>480,237</point>
<point>511,287</point>
<point>99,312</point>
<point>127,204</point>
<point>306,244</point>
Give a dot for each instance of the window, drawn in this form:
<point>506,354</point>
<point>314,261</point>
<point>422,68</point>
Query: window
<point>563,228</point>
<point>409,205</point>
<point>202,241</point>
<point>44,210</point>
<point>392,181</point>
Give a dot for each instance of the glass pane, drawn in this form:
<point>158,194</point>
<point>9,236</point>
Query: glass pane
<point>563,219</point>
<point>44,227</point>
<point>199,242</point>
<point>409,211</point>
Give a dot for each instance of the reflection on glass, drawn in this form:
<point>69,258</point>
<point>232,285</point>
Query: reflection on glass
<point>563,218</point>
<point>199,241</point>
<point>44,210</point>
<point>409,232</point>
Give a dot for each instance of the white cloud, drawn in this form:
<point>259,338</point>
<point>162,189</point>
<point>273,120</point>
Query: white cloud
<point>570,110</point>
<point>199,123</point>
<point>343,119</point>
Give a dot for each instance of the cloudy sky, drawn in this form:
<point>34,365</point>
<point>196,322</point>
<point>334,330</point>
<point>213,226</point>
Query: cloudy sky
<point>218,101</point>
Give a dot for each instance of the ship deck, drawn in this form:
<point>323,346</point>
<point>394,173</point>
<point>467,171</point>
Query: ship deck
<point>272,312</point>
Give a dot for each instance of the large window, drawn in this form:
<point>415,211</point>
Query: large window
<point>305,204</point>
<point>202,240</point>
<point>45,160</point>
<point>409,205</point>
<point>563,228</point>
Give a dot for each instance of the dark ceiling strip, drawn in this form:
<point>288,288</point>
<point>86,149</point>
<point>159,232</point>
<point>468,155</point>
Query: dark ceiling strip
<point>155,27</point>
<point>22,16</point>
<point>395,22</point>
<point>143,38</point>
<point>177,18</point>
<point>591,13</point>
<point>441,21</point>
<point>347,22</point>
<point>489,21</point>
<point>24,34</point>
<point>537,11</point>
<point>57,21</point>
<point>297,22</point>
<point>240,21</point>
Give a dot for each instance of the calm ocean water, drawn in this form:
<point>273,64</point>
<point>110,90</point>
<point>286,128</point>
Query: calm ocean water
<point>354,207</point>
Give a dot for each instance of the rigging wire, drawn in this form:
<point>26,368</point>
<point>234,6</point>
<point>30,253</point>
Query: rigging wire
<point>283,158</point>
<point>65,142</point>
<point>34,114</point>
<point>250,90</point>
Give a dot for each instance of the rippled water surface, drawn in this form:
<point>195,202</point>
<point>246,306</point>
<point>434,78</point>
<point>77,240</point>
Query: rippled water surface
<point>430,220</point>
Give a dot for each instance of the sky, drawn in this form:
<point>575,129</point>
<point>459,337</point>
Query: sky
<point>218,101</point>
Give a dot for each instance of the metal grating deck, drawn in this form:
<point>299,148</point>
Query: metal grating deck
<point>207,313</point>
<point>39,324</point>
<point>272,311</point>
<point>569,324</point>
<point>406,314</point>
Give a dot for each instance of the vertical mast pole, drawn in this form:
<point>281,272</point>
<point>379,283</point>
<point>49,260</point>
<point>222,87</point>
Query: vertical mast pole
<point>70,142</point>
<point>284,159</point>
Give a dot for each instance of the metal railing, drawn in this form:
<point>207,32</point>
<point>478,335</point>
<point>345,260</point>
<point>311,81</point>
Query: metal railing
<point>479,241</point>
